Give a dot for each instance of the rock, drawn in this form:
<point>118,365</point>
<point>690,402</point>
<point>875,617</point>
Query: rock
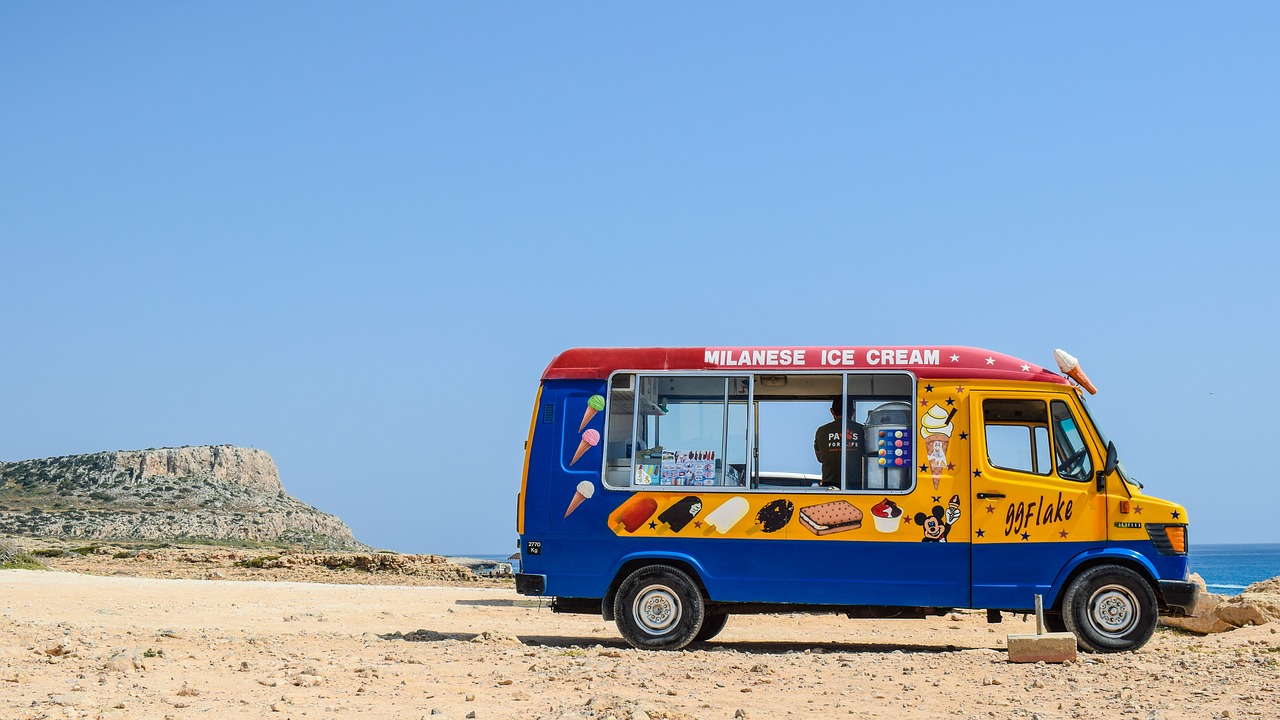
<point>1213,613</point>
<point>215,492</point>
<point>127,660</point>
<point>491,637</point>
<point>1240,614</point>
<point>71,698</point>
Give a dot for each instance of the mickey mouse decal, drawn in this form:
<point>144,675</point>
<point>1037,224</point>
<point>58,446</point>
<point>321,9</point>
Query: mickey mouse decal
<point>937,524</point>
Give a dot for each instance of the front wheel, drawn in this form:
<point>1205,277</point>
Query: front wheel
<point>1110,608</point>
<point>712,624</point>
<point>659,607</point>
<point>1053,622</point>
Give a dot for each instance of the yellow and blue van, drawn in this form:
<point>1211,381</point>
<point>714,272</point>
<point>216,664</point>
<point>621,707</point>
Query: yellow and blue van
<point>668,488</point>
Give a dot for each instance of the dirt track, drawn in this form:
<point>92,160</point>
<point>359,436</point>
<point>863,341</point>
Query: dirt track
<point>78,646</point>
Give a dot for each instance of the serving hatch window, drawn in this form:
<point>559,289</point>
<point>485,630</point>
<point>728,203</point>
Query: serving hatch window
<point>797,432</point>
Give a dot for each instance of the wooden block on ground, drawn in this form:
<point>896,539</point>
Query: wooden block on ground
<point>1058,647</point>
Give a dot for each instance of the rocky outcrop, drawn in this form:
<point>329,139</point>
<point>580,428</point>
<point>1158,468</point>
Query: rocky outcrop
<point>1213,613</point>
<point>217,493</point>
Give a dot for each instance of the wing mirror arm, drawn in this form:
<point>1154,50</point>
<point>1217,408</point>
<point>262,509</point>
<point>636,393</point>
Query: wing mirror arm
<point>1110,467</point>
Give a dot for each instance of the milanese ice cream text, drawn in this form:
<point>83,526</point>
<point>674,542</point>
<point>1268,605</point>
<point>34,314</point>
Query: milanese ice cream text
<point>826,357</point>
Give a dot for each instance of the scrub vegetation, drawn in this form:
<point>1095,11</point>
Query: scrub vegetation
<point>11,558</point>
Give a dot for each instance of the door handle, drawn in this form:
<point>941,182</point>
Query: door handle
<point>990,496</point>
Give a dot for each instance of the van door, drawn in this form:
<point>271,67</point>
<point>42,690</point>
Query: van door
<point>1035,502</point>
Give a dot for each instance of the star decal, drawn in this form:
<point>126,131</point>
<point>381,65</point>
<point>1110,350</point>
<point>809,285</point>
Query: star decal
<point>991,361</point>
<point>1026,367</point>
<point>923,402</point>
<point>955,358</point>
<point>928,388</point>
<point>981,533</point>
<point>951,466</point>
<point>1176,514</point>
<point>964,436</point>
<point>960,389</point>
<point>1137,509</point>
<point>653,526</point>
<point>1062,533</point>
<point>991,508</point>
<point>936,498</point>
<point>697,523</point>
<point>1026,536</point>
<point>951,401</point>
<point>924,467</point>
<point>977,473</point>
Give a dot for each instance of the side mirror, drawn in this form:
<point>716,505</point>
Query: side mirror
<point>1112,460</point>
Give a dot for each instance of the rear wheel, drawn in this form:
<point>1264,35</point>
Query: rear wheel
<point>1110,608</point>
<point>711,626</point>
<point>659,607</point>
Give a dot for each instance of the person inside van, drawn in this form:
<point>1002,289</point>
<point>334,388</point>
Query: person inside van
<point>826,447</point>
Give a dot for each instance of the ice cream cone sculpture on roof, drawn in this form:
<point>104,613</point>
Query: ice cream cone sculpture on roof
<point>935,428</point>
<point>589,440</point>
<point>1068,364</point>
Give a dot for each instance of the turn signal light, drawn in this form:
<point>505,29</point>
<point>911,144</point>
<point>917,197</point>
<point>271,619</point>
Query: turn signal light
<point>1177,535</point>
<point>1124,507</point>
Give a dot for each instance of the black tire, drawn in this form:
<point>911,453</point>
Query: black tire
<point>1110,608</point>
<point>1053,622</point>
<point>659,607</point>
<point>712,624</point>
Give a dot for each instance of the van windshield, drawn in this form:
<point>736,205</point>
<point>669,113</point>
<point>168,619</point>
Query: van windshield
<point>1102,437</point>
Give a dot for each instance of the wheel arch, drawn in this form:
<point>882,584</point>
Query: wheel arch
<point>1106,556</point>
<point>630,563</point>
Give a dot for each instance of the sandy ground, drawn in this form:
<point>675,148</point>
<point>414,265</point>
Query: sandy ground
<point>74,645</point>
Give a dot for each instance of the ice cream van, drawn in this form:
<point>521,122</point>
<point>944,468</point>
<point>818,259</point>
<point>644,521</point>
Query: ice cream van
<point>669,488</point>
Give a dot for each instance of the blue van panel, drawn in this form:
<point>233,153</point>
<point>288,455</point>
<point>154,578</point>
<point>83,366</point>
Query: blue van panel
<point>1164,567</point>
<point>1045,567</point>
<point>1009,575</point>
<point>772,571</point>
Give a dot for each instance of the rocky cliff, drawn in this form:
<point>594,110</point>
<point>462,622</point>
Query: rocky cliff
<point>210,493</point>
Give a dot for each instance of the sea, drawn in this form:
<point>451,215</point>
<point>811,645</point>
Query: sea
<point>1226,569</point>
<point>1229,569</point>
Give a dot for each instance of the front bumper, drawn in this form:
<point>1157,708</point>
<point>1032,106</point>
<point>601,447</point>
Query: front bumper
<point>1179,596</point>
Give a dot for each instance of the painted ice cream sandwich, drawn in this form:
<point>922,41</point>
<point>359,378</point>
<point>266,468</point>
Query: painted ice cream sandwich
<point>831,517</point>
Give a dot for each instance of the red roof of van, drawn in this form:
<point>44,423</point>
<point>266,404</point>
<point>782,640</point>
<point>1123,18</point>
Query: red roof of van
<point>925,361</point>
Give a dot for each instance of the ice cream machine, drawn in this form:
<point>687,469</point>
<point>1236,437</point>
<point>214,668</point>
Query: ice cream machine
<point>889,444</point>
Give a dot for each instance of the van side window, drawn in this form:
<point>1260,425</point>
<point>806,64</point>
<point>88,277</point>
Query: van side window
<point>688,430</point>
<point>1070,450</point>
<point>1017,435</point>
<point>622,411</point>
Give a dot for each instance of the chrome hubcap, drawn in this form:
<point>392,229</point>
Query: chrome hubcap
<point>1113,610</point>
<point>656,609</point>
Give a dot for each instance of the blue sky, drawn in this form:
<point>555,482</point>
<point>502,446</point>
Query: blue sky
<point>353,235</point>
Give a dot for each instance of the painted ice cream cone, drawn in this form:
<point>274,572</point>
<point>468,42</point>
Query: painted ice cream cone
<point>935,428</point>
<point>589,440</point>
<point>584,490</point>
<point>936,447</point>
<point>594,405</point>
